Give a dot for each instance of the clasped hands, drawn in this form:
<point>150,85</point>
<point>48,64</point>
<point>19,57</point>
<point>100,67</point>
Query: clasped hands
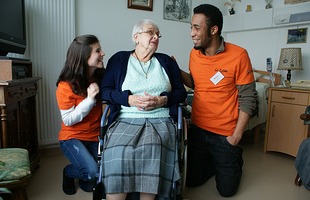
<point>146,102</point>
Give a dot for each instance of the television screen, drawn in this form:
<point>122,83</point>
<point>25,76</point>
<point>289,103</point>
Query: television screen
<point>12,27</point>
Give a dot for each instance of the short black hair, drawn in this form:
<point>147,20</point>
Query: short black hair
<point>213,14</point>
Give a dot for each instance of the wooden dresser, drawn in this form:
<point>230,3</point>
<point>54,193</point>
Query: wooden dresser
<point>18,123</point>
<point>285,130</point>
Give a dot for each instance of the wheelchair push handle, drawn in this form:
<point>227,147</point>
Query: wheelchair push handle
<point>305,117</point>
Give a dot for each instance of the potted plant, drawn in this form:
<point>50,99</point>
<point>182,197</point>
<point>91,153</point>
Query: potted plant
<point>231,5</point>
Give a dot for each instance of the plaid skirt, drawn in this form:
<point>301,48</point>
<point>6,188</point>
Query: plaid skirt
<point>140,156</point>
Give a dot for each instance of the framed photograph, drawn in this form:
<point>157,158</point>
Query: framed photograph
<point>298,35</point>
<point>295,1</point>
<point>178,10</point>
<point>141,4</point>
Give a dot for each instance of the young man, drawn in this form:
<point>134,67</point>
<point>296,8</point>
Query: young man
<point>224,99</point>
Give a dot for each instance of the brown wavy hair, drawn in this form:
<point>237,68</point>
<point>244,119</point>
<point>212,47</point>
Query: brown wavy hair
<point>76,68</point>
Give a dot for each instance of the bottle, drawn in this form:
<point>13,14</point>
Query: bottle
<point>269,69</point>
<point>269,65</point>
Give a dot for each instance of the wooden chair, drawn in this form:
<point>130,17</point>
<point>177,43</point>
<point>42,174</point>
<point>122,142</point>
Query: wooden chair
<point>5,194</point>
<point>15,173</point>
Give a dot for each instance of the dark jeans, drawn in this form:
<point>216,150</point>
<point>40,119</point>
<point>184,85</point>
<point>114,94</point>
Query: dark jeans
<point>211,154</point>
<point>83,156</point>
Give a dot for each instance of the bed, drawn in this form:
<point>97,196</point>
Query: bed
<point>263,81</point>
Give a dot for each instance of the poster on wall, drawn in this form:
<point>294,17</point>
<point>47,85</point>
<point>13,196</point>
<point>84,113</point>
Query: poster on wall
<point>178,10</point>
<point>298,35</point>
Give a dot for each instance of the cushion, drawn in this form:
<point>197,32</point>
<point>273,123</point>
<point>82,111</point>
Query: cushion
<point>14,164</point>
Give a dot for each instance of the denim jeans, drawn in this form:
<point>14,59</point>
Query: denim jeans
<point>211,154</point>
<point>83,156</point>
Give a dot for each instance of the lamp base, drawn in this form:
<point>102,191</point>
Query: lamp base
<point>288,76</point>
<point>286,83</point>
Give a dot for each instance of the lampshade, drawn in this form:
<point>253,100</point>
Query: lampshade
<point>290,59</point>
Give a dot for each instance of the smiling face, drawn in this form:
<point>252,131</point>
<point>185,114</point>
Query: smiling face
<point>148,38</point>
<point>200,32</point>
<point>96,56</point>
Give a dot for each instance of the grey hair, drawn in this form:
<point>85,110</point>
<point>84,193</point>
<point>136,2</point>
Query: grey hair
<point>138,27</point>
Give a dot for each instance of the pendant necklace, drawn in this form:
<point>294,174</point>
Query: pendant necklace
<point>145,72</point>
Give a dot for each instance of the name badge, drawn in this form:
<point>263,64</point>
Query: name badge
<point>217,78</point>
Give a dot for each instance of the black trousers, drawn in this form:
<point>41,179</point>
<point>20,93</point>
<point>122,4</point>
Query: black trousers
<point>211,154</point>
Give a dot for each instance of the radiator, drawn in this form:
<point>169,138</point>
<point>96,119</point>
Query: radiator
<point>50,30</point>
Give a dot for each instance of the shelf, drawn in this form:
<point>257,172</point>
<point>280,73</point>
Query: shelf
<point>248,21</point>
<point>267,18</point>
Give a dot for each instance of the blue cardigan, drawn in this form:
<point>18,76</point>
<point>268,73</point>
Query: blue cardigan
<point>111,84</point>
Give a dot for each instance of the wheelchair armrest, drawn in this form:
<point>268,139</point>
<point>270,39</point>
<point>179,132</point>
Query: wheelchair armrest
<point>105,102</point>
<point>183,104</point>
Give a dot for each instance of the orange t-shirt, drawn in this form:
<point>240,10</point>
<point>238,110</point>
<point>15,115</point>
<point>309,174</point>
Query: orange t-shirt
<point>88,129</point>
<point>215,105</point>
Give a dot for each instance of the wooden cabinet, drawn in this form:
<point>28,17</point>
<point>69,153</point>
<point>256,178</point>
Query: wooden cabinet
<point>15,69</point>
<point>18,115</point>
<point>285,130</point>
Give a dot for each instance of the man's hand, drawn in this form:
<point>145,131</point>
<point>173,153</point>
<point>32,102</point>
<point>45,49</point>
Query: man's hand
<point>234,139</point>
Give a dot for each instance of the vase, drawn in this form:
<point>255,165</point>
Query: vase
<point>231,11</point>
<point>268,6</point>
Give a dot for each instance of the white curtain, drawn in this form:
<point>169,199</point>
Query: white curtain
<point>50,30</point>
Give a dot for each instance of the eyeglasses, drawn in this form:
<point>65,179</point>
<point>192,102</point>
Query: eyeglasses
<point>151,33</point>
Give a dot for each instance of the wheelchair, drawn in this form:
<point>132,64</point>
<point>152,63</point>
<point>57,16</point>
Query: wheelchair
<point>180,145</point>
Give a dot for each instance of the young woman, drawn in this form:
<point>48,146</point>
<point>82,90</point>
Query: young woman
<point>80,108</point>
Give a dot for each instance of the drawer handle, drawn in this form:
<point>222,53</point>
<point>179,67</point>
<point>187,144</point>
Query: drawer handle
<point>289,98</point>
<point>30,89</point>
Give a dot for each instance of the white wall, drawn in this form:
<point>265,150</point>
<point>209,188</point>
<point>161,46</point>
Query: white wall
<point>113,23</point>
<point>264,43</point>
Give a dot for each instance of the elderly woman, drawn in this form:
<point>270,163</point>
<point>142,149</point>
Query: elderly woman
<point>144,89</point>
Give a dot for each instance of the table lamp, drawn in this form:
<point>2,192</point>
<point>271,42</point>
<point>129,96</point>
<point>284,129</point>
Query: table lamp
<point>290,59</point>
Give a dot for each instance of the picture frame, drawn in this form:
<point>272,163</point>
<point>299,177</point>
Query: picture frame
<point>298,35</point>
<point>178,10</point>
<point>295,1</point>
<point>141,4</point>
